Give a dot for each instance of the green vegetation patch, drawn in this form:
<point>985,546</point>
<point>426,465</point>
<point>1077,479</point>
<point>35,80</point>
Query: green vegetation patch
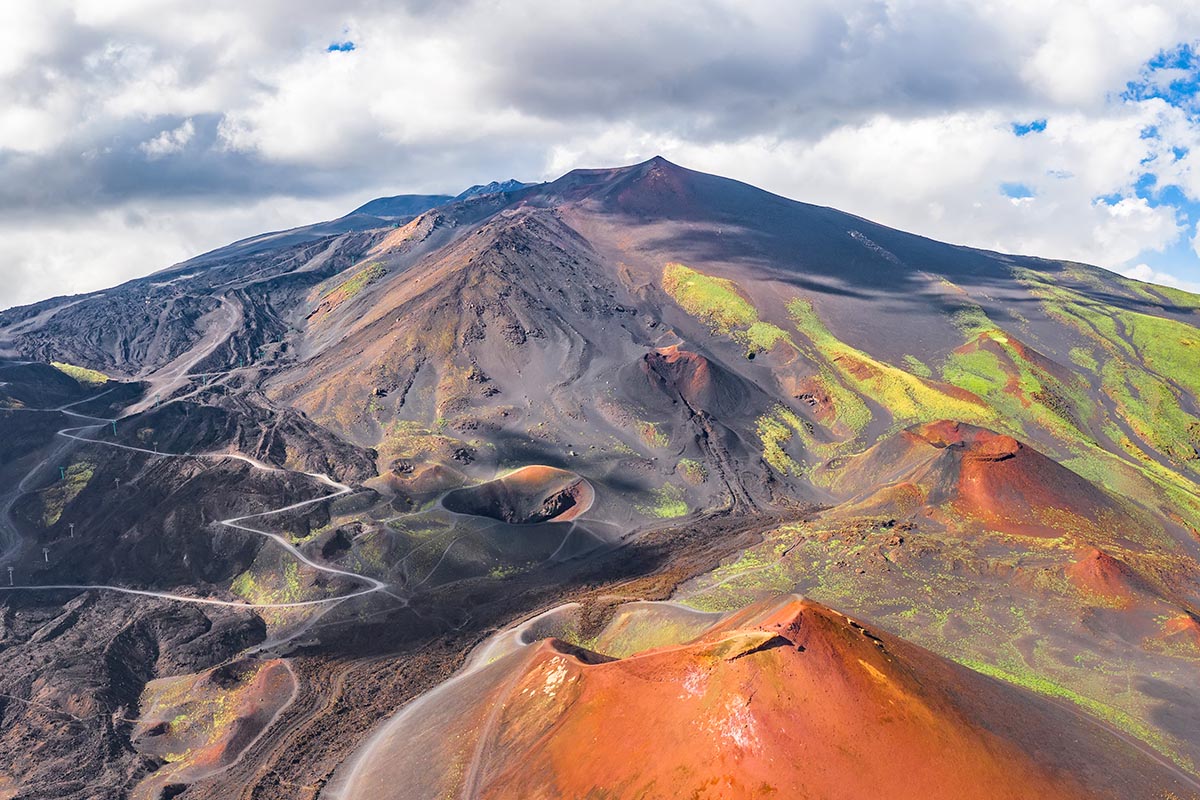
<point>954,598</point>
<point>88,377</point>
<point>1147,366</point>
<point>666,503</point>
<point>410,439</point>
<point>1163,294</point>
<point>57,497</point>
<point>203,715</point>
<point>775,430</point>
<point>719,303</point>
<point>909,398</point>
<point>1083,357</point>
<point>692,471</point>
<point>917,367</point>
<point>998,368</point>
<point>280,586</point>
<point>503,571</point>
<point>359,280</point>
<point>972,320</point>
<point>652,435</point>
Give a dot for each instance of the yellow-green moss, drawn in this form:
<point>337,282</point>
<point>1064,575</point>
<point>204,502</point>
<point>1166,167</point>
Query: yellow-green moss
<point>279,586</point>
<point>692,471</point>
<point>719,303</point>
<point>907,397</point>
<point>1147,365</point>
<point>1084,358</point>
<point>917,367</point>
<point>714,300</point>
<point>1015,673</point>
<point>359,280</point>
<point>651,434</point>
<point>88,377</point>
<point>666,503</point>
<point>58,496</point>
<point>775,430</point>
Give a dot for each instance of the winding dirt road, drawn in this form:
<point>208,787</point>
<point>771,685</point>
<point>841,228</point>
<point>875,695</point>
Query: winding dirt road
<point>371,585</point>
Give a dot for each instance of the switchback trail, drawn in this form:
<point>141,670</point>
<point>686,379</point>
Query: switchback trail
<point>238,523</point>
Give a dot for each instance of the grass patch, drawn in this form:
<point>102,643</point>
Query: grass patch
<point>57,497</point>
<point>360,280</point>
<point>917,367</point>
<point>651,434</point>
<point>282,587</point>
<point>998,368</point>
<point>666,503</point>
<point>88,377</point>
<point>775,430</point>
<point>719,303</point>
<point>1083,357</point>
<point>1146,365</point>
<point>909,398</point>
<point>409,439</point>
<point>692,471</point>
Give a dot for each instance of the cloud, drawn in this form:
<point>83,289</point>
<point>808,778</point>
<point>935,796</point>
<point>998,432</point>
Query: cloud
<point>1143,272</point>
<point>84,253</point>
<point>169,142</point>
<point>913,112</point>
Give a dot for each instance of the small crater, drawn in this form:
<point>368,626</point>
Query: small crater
<point>527,496</point>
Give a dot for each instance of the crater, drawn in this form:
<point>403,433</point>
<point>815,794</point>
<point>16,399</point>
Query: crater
<point>526,496</point>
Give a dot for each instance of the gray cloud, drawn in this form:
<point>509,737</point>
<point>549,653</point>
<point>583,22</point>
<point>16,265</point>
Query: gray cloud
<point>707,70</point>
<point>718,71</point>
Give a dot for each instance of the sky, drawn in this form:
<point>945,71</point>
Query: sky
<point>137,133</point>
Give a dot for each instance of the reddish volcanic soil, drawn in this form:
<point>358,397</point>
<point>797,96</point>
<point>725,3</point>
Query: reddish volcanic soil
<point>1098,573</point>
<point>980,476</point>
<point>202,723</point>
<point>1183,628</point>
<point>784,699</point>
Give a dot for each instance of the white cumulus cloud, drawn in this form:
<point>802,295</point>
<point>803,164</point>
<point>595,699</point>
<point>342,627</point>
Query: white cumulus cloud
<point>169,142</point>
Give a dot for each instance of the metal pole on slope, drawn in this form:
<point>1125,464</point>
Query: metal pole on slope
<point>46,554</point>
<point>62,473</point>
<point>71,525</point>
<point>114,424</point>
<point>10,577</point>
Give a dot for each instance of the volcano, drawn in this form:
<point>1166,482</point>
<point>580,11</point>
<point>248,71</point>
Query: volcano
<point>977,475</point>
<point>785,698</point>
<point>340,456</point>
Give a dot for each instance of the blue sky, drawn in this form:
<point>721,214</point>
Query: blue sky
<point>1172,76</point>
<point>137,133</point>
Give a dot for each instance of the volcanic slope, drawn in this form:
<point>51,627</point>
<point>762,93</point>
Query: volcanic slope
<point>785,698</point>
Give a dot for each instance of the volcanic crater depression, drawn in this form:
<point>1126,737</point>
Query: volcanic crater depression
<point>526,496</point>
